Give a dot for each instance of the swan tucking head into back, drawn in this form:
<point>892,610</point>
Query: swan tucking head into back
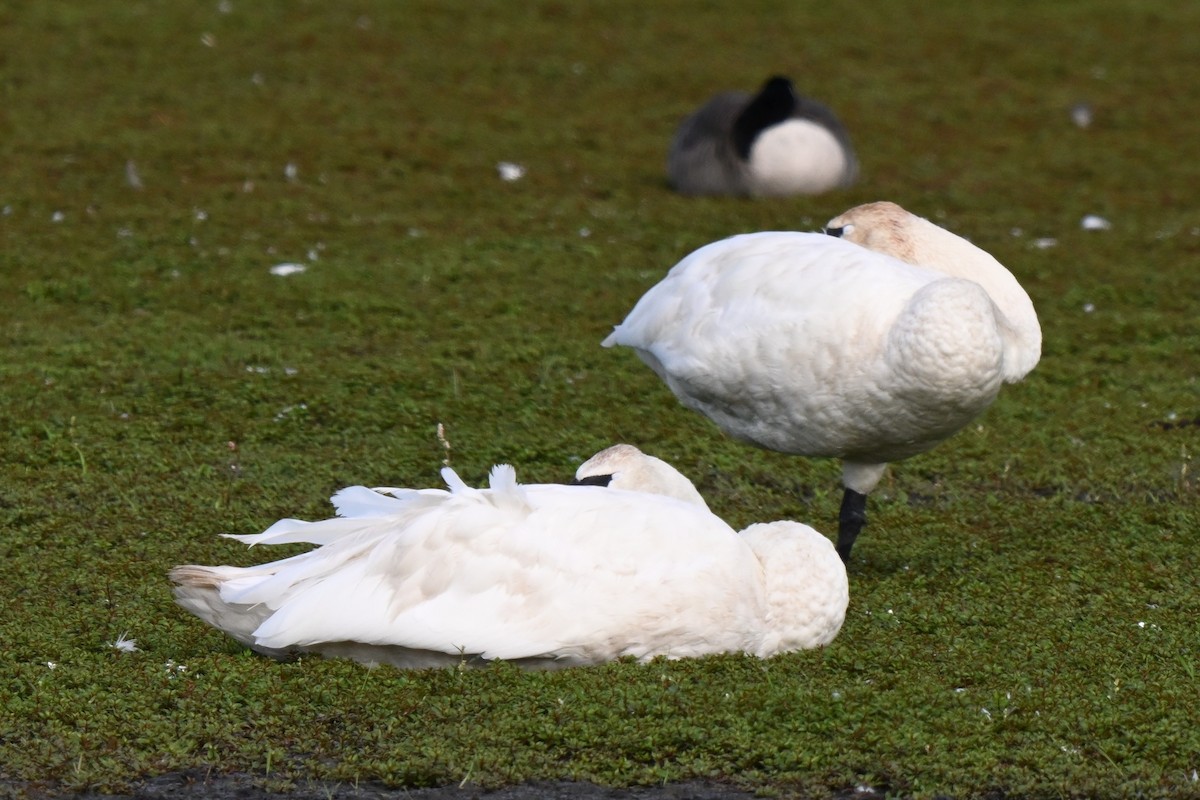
<point>871,345</point>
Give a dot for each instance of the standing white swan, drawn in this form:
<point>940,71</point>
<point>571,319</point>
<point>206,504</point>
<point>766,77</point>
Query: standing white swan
<point>772,144</point>
<point>870,345</point>
<point>543,575</point>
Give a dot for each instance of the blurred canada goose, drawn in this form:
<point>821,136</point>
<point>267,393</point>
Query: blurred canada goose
<point>772,144</point>
<point>543,575</point>
<point>870,345</point>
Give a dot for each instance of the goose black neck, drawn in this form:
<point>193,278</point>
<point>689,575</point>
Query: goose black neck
<point>774,103</point>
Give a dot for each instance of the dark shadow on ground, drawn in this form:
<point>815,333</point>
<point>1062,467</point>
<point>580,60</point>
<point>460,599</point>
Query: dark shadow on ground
<point>196,785</point>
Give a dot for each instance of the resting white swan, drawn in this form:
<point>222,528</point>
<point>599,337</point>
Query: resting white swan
<point>772,144</point>
<point>870,345</point>
<point>543,575</point>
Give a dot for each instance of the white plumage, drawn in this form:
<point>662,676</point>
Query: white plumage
<point>772,144</point>
<point>870,345</point>
<point>543,575</point>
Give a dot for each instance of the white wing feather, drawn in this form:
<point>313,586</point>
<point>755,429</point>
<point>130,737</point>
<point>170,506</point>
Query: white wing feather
<point>478,574</point>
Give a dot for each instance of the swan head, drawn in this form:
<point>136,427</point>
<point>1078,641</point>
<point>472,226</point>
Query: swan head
<point>883,227</point>
<point>623,466</point>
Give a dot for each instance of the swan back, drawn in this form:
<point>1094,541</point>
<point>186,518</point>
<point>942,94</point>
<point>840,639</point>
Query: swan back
<point>885,227</point>
<point>623,466</point>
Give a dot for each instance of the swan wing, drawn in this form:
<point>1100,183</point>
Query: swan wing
<point>771,289</point>
<point>777,337</point>
<point>570,572</point>
<point>352,505</point>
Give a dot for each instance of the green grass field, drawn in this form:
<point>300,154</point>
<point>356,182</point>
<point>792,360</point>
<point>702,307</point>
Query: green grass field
<point>1024,614</point>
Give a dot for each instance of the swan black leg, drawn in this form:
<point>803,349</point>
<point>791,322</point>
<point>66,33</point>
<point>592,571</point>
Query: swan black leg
<point>851,520</point>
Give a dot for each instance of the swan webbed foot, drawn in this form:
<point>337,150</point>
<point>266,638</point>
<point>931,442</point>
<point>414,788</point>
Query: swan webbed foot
<point>851,520</point>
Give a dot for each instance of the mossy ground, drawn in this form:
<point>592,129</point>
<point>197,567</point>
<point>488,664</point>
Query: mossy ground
<point>1025,613</point>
